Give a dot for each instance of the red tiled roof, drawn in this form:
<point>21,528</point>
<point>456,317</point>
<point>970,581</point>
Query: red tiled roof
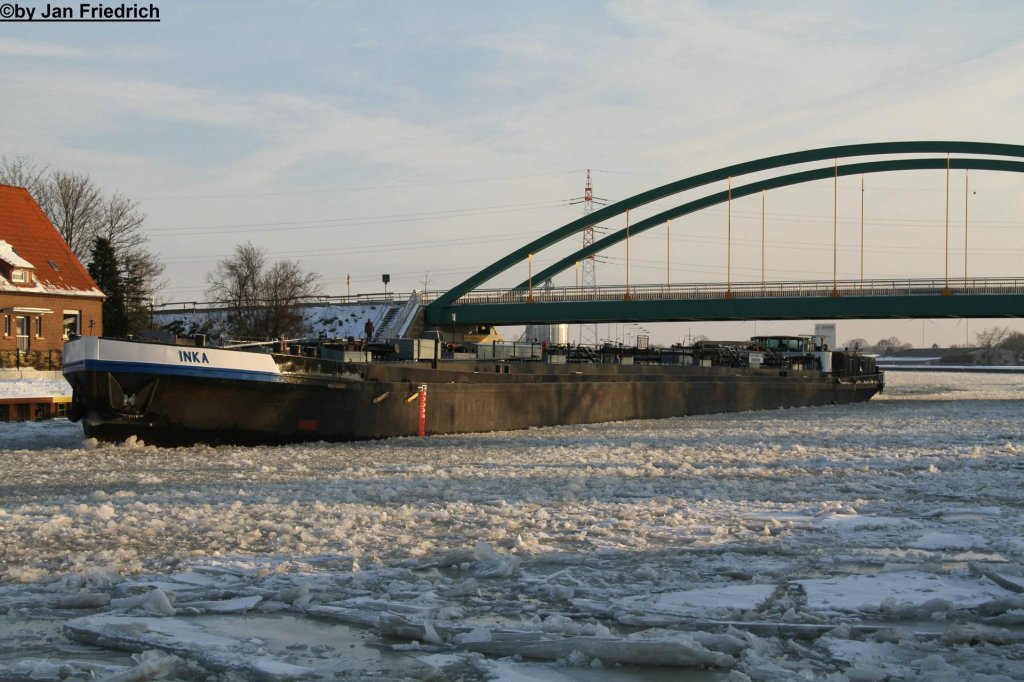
<point>24,225</point>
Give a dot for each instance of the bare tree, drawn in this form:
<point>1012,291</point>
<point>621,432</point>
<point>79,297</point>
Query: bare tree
<point>989,341</point>
<point>891,344</point>
<point>1014,342</point>
<point>80,212</point>
<point>121,222</point>
<point>261,300</point>
<point>856,344</point>
<point>285,284</point>
<point>235,283</point>
<point>21,172</point>
<point>76,208</point>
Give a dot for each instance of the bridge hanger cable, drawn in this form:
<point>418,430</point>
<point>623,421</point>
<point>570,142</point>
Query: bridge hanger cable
<point>782,181</point>
<point>767,163</point>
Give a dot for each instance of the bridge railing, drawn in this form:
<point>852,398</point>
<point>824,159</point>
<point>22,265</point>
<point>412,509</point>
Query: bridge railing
<point>749,290</point>
<point>680,291</point>
<point>354,299</point>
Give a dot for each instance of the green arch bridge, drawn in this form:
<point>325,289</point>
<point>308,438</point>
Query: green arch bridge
<point>466,303</point>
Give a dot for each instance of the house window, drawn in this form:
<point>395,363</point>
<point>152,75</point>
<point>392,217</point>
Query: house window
<point>19,276</point>
<point>39,327</point>
<point>72,323</point>
<point>7,325</point>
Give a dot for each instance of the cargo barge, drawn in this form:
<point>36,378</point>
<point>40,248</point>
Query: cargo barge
<point>170,395</point>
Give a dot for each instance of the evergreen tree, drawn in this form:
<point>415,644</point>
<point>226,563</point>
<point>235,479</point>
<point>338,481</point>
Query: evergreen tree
<point>106,273</point>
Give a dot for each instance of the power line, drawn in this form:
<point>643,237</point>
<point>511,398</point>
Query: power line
<point>370,248</point>
<point>367,188</point>
<point>361,221</point>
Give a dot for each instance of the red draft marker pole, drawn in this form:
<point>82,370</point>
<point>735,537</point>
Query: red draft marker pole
<point>423,411</point>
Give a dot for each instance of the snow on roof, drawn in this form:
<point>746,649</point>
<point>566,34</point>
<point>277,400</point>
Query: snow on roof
<point>8,255</point>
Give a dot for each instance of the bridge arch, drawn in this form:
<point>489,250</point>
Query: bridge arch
<point>984,149</point>
<point>771,183</point>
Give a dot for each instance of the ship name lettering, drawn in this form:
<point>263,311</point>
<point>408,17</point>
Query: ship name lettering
<point>193,356</point>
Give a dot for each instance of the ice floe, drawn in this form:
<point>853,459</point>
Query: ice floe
<point>879,541</point>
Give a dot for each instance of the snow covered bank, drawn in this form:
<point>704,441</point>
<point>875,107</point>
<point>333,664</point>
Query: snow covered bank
<point>33,388</point>
<point>334,321</point>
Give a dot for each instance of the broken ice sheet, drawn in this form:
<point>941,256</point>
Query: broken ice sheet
<point>185,581</point>
<point>149,665</point>
<point>865,657</point>
<point>236,605</point>
<point>854,522</point>
<point>853,593</point>
<point>1013,544</point>
<point>949,541</point>
<point>676,649</point>
<point>644,648</point>
<point>706,602</point>
<point>186,638</point>
<point>966,514</point>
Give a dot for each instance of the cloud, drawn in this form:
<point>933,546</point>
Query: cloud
<point>23,48</point>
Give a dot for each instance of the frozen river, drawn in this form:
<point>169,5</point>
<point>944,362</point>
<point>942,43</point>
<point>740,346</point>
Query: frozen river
<point>864,542</point>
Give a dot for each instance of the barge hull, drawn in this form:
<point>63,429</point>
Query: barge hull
<point>387,402</point>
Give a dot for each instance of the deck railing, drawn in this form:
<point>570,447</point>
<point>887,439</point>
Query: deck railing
<point>750,290</point>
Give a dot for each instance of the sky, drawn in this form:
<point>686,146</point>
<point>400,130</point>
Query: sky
<point>426,140</point>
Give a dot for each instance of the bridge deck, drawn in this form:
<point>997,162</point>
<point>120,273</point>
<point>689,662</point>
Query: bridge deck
<point>842,299</point>
<point>722,290</point>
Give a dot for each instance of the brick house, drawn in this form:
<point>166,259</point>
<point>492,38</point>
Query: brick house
<point>46,294</point>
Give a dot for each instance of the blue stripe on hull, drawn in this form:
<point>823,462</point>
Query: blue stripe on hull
<point>90,365</point>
